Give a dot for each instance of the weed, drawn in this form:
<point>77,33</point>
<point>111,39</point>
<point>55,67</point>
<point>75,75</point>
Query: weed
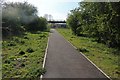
<point>22,65</point>
<point>36,72</point>
<point>22,42</point>
<point>7,61</point>
<point>16,39</point>
<point>26,37</point>
<point>116,52</point>
<point>25,56</point>
<point>21,52</point>
<point>12,58</point>
<point>83,50</point>
<point>118,72</point>
<point>29,50</point>
<point>42,35</point>
<point>11,43</point>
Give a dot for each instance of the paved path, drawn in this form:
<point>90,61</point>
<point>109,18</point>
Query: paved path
<point>64,61</point>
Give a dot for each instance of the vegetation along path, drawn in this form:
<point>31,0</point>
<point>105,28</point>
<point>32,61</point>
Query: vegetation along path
<point>64,61</point>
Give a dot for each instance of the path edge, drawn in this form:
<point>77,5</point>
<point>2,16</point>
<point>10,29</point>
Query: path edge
<point>45,55</point>
<point>86,58</point>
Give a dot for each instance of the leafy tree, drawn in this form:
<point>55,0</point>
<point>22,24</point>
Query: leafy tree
<point>73,22</point>
<point>100,20</point>
<point>18,17</point>
<point>39,24</point>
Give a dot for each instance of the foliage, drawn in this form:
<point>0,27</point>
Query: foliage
<point>24,60</point>
<point>29,50</point>
<point>20,17</point>
<point>99,20</point>
<point>39,24</point>
<point>73,22</point>
<point>22,55</point>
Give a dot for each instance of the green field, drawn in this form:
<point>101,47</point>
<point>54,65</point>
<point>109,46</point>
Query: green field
<point>22,56</point>
<point>105,58</point>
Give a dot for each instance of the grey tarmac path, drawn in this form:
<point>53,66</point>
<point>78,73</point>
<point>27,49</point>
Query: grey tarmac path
<point>64,61</point>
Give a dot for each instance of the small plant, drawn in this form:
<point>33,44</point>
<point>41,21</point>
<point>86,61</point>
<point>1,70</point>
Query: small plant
<point>12,43</point>
<point>37,72</point>
<point>21,52</point>
<point>7,61</point>
<point>26,37</point>
<point>82,50</point>
<point>22,65</point>
<point>16,39</point>
<point>12,58</point>
<point>42,71</point>
<point>116,52</point>
<point>118,72</point>
<point>38,32</point>
<point>25,56</point>
<point>22,42</point>
<point>72,37</point>
<point>42,35</point>
<point>29,50</point>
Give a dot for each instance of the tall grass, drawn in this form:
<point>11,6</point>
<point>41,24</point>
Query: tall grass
<point>23,56</point>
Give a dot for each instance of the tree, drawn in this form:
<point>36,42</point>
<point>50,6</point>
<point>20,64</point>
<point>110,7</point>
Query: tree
<point>99,20</point>
<point>73,22</point>
<point>17,16</point>
<point>39,24</point>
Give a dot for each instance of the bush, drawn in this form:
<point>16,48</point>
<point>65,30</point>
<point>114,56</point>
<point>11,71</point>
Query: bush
<point>39,24</point>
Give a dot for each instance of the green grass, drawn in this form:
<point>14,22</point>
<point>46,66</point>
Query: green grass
<point>105,58</point>
<point>22,57</point>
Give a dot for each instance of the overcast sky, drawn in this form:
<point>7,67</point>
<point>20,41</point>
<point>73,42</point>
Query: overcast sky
<point>58,9</point>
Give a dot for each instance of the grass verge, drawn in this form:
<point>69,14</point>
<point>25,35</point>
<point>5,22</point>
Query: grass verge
<point>22,57</point>
<point>105,58</point>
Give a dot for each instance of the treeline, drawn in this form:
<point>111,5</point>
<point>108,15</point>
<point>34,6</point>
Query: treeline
<point>99,20</point>
<point>20,17</point>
